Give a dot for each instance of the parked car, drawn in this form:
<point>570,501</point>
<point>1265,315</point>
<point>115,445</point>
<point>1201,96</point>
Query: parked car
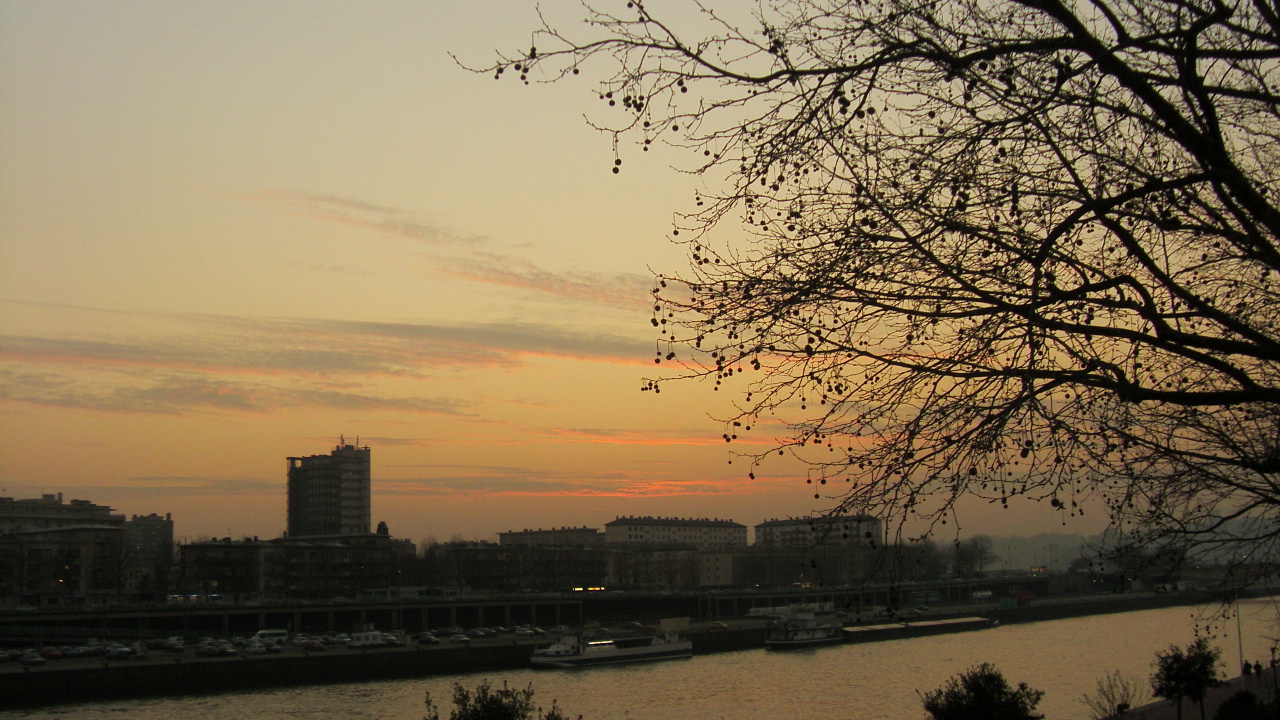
<point>119,652</point>
<point>524,632</point>
<point>460,639</point>
<point>313,645</point>
<point>32,657</point>
<point>719,625</point>
<point>427,638</point>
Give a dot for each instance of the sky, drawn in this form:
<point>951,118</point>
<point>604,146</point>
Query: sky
<point>234,232</point>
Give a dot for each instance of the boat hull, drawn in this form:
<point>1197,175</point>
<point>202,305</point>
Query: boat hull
<point>801,644</point>
<point>894,631</point>
<point>672,651</point>
<point>570,652</point>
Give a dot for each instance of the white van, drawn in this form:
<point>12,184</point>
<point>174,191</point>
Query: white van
<point>277,635</point>
<point>371,639</point>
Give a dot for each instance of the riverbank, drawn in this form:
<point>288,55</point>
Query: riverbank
<point>55,684</point>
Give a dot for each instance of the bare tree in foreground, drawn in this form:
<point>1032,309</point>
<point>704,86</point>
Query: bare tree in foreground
<point>1114,695</point>
<point>974,247</point>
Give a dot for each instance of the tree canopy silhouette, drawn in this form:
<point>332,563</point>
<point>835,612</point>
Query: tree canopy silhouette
<point>982,693</point>
<point>973,247</point>
<point>1189,673</point>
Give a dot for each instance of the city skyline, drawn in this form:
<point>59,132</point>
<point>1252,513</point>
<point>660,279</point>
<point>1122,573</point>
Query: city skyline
<point>231,233</point>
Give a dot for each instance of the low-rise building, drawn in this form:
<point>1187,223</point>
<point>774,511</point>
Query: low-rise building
<point>316,567</point>
<point>698,532</point>
<point>554,537</point>
<point>821,531</point>
<point>49,511</point>
<point>69,565</point>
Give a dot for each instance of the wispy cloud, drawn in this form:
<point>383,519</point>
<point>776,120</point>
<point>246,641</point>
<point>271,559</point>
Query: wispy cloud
<point>368,216</point>
<point>623,290</point>
<point>616,436</point>
<point>324,347</point>
<point>187,362</point>
<point>460,255</point>
<point>163,486</point>
<point>460,482</point>
<point>176,393</point>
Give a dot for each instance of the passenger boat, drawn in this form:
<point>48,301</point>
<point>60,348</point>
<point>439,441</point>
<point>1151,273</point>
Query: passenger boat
<point>573,651</point>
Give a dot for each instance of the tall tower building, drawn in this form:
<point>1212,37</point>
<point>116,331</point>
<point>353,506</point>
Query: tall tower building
<point>329,494</point>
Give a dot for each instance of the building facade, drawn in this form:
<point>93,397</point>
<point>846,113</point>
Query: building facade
<point>148,540</point>
<point>313,568</point>
<point>698,532</point>
<point>148,555</point>
<point>555,537</point>
<point>67,566</point>
<point>49,511</point>
<point>59,553</point>
<point>330,494</point>
<point>824,531</point>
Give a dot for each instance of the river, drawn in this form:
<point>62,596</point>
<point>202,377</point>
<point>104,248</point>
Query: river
<point>874,681</point>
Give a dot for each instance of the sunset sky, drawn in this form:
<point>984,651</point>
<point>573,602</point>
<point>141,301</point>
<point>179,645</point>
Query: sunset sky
<point>231,232</point>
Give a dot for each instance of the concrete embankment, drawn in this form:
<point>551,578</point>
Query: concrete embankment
<point>1057,609</point>
<point>105,681</point>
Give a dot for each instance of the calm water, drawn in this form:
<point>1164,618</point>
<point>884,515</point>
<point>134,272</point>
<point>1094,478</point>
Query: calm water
<point>851,682</point>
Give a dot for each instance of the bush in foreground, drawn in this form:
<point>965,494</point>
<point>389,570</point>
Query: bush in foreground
<point>488,703</point>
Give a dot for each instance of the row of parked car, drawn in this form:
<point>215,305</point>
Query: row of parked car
<point>367,639</point>
<point>460,635</point>
<point>39,656</point>
<point>270,642</point>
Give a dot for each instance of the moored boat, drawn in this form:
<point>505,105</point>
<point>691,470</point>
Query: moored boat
<point>803,626</point>
<point>893,631</point>
<point>573,651</point>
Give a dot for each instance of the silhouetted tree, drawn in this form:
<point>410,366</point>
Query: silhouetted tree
<point>488,703</point>
<point>1186,673</point>
<point>992,247</point>
<point>969,557</point>
<point>922,560</point>
<point>982,693</point>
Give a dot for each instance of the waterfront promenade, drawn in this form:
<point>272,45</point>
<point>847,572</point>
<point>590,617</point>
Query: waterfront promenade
<point>1264,687</point>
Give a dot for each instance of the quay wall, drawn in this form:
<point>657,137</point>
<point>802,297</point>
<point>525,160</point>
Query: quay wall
<point>109,681</point>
